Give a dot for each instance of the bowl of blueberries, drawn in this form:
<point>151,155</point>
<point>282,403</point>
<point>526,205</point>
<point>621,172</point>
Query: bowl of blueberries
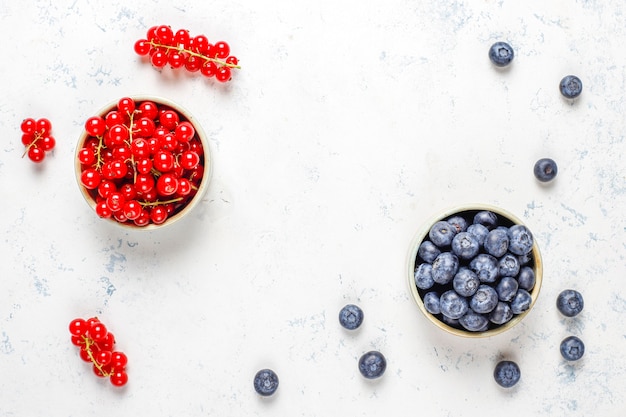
<point>474,270</point>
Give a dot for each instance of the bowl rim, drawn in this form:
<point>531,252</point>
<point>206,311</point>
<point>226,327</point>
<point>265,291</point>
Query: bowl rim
<point>410,265</point>
<point>200,132</point>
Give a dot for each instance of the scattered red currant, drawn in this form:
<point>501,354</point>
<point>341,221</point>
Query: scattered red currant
<point>163,46</point>
<point>37,137</point>
<point>96,345</point>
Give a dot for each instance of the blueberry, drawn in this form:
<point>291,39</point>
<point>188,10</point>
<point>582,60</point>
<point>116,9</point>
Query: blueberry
<point>507,288</point>
<point>465,245</point>
<point>459,223</point>
<point>507,373</point>
<point>520,240</point>
<point>570,303</point>
<point>485,267</point>
<point>572,348</point>
<point>465,282</point>
<point>526,278</point>
<point>453,305</point>
<point>445,267</point>
<point>485,299</point>
<point>450,322</point>
<point>525,259</point>
<point>424,276</point>
<point>479,231</point>
<point>508,266</point>
<point>487,218</point>
<point>501,54</point>
<point>441,233</point>
<point>521,301</point>
<point>474,322</point>
<point>571,86</point>
<point>428,251</point>
<point>431,302</point>
<point>545,169</point>
<point>501,314</point>
<point>372,364</point>
<point>265,382</point>
<point>351,316</point>
<point>497,242</point>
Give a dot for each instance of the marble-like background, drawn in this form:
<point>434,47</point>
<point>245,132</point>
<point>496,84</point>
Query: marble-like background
<point>349,124</point>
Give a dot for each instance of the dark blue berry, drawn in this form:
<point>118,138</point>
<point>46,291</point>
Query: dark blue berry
<point>501,314</point>
<point>474,322</point>
<point>479,231</point>
<point>507,288</point>
<point>497,242</point>
<point>508,266</point>
<point>372,364</point>
<point>265,382</point>
<point>507,373</point>
<point>572,348</point>
<point>501,54</point>
<point>485,299</point>
<point>487,218</point>
<point>570,86</point>
<point>570,303</point>
<point>485,267</point>
<point>431,302</point>
<point>428,251</point>
<point>445,267</point>
<point>465,245</point>
<point>465,282</point>
<point>351,316</point>
<point>520,240</point>
<point>545,169</point>
<point>459,223</point>
<point>521,301</point>
<point>526,278</point>
<point>442,233</point>
<point>453,305</point>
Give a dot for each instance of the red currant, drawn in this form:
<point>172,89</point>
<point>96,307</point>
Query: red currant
<point>90,178</point>
<point>193,63</point>
<point>163,161</point>
<point>95,126</point>
<point>115,201</point>
<point>142,47</point>
<point>98,332</point>
<point>158,215</point>
<point>103,210</point>
<point>144,183</point>
<point>200,44</point>
<point>103,357</point>
<point>189,160</point>
<point>169,119</point>
<point>182,38</point>
<point>78,327</point>
<point>114,117</point>
<point>159,58</point>
<point>220,50</point>
<point>47,143</point>
<point>167,184</point>
<point>143,219</point>
<point>36,154</point>
<point>223,74</point>
<point>184,131</point>
<point>106,187</point>
<point>29,126</point>
<point>43,126</point>
<point>132,209</point>
<point>126,105</point>
<point>148,109</point>
<point>119,378</point>
<point>164,34</point>
<point>209,69</point>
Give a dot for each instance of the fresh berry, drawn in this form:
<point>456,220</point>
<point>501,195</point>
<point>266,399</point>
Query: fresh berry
<point>501,314</point>
<point>424,276</point>
<point>453,305</point>
<point>572,348</point>
<point>465,245</point>
<point>487,218</point>
<point>508,265</point>
<point>520,240</point>
<point>351,316</point>
<point>497,242</point>
<point>37,137</point>
<point>431,302</point>
<point>501,54</point>
<point>570,303</point>
<point>445,267</point>
<point>570,86</point>
<point>485,267</point>
<point>521,302</point>
<point>507,288</point>
<point>428,251</point>
<point>265,382</point>
<point>545,169</point>
<point>465,282</point>
<point>442,233</point>
<point>474,322</point>
<point>484,300</point>
<point>372,364</point>
<point>526,278</point>
<point>507,373</point>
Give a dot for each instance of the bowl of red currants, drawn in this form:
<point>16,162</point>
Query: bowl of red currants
<point>474,270</point>
<point>142,162</point>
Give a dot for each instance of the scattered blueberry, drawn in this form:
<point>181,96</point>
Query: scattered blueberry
<point>487,218</point>
<point>431,302</point>
<point>485,299</point>
<point>501,314</point>
<point>474,322</point>
<point>497,242</point>
<point>526,278</point>
<point>507,288</point>
<point>521,301</point>
<point>571,86</point>
<point>372,364</point>
<point>501,54</point>
<point>485,267</point>
<point>459,223</point>
<point>351,316</point>
<point>442,233</point>
<point>572,348</point>
<point>265,382</point>
<point>507,373</point>
<point>570,303</point>
<point>465,245</point>
<point>508,266</point>
<point>545,169</point>
<point>428,251</point>
<point>453,305</point>
<point>465,282</point>
<point>479,231</point>
<point>445,267</point>
<point>424,276</point>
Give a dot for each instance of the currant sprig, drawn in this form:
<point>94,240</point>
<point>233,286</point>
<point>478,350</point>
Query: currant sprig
<point>97,346</point>
<point>37,137</point>
<point>180,50</point>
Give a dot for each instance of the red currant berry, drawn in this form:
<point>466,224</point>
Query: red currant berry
<point>176,59</point>
<point>158,215</point>
<point>209,69</point>
<point>103,210</point>
<point>90,178</point>
<point>220,50</point>
<point>144,183</point>
<point>148,109</point>
<point>189,160</point>
<point>86,156</point>
<point>144,127</point>
<point>126,105</point>
<point>101,371</point>
<point>200,44</point>
<point>223,74</point>
<point>151,33</point>
<point>98,332</point>
<point>143,219</point>
<point>28,126</point>
<point>103,357</point>
<point>86,354</point>
<point>143,166</point>
<point>106,187</point>
<point>114,117</point>
<point>232,60</point>
<point>117,134</point>
<point>115,201</point>
<point>95,126</point>
<point>169,119</point>
<point>167,184</point>
<point>36,154</point>
<point>28,139</point>
<point>77,340</point>
<point>108,343</point>
<point>164,34</point>
<point>129,191</point>
<point>119,378</point>
<point>122,152</point>
<point>163,161</point>
<point>140,148</point>
<point>193,63</point>
<point>184,131</point>
<point>78,327</point>
<point>168,142</point>
<point>182,38</point>
<point>184,187</point>
<point>48,143</point>
<point>142,47</point>
<point>132,209</point>
<point>119,216</point>
<point>43,126</point>
<point>196,146</point>
<point>159,58</point>
<point>118,360</point>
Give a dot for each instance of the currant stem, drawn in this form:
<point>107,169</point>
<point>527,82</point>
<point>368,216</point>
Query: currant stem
<point>159,203</point>
<point>38,135</point>
<point>88,344</point>
<point>206,58</point>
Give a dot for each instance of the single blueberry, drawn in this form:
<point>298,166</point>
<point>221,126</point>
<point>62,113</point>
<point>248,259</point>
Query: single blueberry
<point>526,278</point>
<point>520,240</point>
<point>570,86</point>
<point>265,382</point>
<point>372,364</point>
<point>441,233</point>
<point>572,348</point>
<point>521,301</point>
<point>450,322</point>
<point>431,302</point>
<point>508,266</point>
<point>445,267</point>
<point>424,276</point>
<point>474,322</point>
<point>485,299</point>
<point>479,231</point>
<point>507,373</point>
<point>487,218</point>
<point>485,267</point>
<point>465,282</point>
<point>497,242</point>
<point>465,245</point>
<point>428,251</point>
<point>453,305</point>
<point>545,169</point>
<point>459,223</point>
<point>570,303</point>
<point>507,288</point>
<point>501,54</point>
<point>525,259</point>
<point>501,314</point>
<point>351,316</point>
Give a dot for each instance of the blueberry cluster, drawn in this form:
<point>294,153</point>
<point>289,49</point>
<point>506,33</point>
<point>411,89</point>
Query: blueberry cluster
<point>570,303</point>
<point>474,270</point>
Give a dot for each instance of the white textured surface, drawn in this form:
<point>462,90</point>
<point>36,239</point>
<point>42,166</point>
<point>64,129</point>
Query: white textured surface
<point>350,124</point>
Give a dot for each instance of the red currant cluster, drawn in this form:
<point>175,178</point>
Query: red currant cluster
<point>96,345</point>
<point>37,137</point>
<point>141,163</point>
<point>181,50</point>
